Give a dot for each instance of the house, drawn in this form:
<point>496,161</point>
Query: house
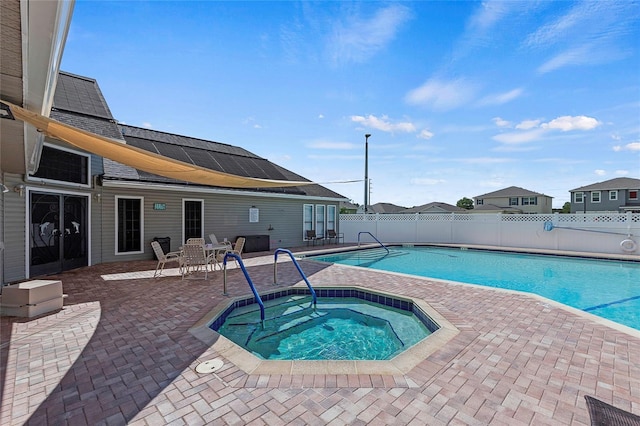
<point>613,195</point>
<point>65,207</point>
<point>512,200</point>
<point>382,208</point>
<point>434,207</point>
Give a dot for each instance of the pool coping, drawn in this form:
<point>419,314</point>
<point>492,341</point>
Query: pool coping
<point>401,364</point>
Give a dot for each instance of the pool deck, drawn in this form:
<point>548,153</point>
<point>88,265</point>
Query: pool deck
<point>120,352</point>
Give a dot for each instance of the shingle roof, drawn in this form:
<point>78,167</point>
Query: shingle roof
<point>512,191</point>
<point>617,183</point>
<point>385,208</point>
<point>78,102</point>
<point>79,94</point>
<point>216,156</point>
<point>434,206</point>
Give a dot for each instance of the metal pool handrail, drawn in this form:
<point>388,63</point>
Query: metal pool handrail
<point>246,275</point>
<point>295,262</point>
<point>367,232</point>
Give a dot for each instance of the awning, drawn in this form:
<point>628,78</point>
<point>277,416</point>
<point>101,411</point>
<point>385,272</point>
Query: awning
<point>139,158</point>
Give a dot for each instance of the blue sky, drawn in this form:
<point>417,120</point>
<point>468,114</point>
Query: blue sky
<point>460,98</point>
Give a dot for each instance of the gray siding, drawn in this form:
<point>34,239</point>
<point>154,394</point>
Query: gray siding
<point>227,216</point>
<point>14,231</point>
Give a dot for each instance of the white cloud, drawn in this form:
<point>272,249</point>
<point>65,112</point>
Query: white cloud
<point>600,172</point>
<point>501,98</point>
<point>621,172</point>
<point>567,123</point>
<point>501,122</point>
<point>384,124</point>
<point>321,116</point>
<point>527,124</point>
<point>356,40</point>
<point>531,130</point>
<point>484,160</point>
<point>442,95</point>
<point>332,145</point>
<point>147,125</point>
<point>519,137</point>
<point>633,146</point>
<point>425,134</point>
<point>426,181</point>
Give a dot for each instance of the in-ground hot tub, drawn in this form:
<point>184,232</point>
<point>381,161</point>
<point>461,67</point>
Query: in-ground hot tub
<point>377,333</point>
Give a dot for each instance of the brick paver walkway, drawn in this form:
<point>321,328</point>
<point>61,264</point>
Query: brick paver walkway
<point>120,353</point>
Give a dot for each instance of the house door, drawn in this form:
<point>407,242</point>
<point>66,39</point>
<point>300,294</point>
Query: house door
<point>58,234</point>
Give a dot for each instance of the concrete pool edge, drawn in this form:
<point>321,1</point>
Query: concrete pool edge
<point>399,365</point>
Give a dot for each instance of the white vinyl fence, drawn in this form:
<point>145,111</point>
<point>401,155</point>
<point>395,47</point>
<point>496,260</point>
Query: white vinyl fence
<point>610,233</point>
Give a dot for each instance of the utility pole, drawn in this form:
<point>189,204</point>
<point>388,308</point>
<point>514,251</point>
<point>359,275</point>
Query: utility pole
<point>366,172</point>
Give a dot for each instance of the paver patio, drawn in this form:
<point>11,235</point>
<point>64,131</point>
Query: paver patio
<point>120,353</point>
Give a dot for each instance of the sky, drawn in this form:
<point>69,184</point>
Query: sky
<point>460,98</point>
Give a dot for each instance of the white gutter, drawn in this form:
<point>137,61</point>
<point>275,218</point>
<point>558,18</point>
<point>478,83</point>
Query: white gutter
<point>145,186</point>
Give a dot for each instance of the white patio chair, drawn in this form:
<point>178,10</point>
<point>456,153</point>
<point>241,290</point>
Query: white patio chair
<point>237,249</point>
<point>195,259</point>
<point>164,258</point>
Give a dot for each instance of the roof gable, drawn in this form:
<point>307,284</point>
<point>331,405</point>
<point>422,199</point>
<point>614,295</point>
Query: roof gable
<point>512,191</point>
<point>617,183</point>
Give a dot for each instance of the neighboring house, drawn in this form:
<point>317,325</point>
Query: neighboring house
<point>435,207</point>
<point>382,208</point>
<point>81,209</point>
<point>512,200</point>
<point>347,207</point>
<point>614,195</point>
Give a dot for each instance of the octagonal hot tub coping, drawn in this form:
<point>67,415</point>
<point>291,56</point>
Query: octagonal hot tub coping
<point>398,365</point>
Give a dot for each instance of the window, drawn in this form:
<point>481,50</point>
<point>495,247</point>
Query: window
<point>595,197</point>
<point>529,201</point>
<point>62,165</point>
<point>129,225</point>
<point>320,220</point>
<point>307,219</point>
<point>578,197</point>
<point>513,201</point>
<point>331,217</point>
<point>633,194</point>
<point>479,202</point>
<point>192,213</point>
<point>613,195</point>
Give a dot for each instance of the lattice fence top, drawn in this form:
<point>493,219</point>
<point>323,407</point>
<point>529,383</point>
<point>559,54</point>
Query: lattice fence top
<point>583,218</point>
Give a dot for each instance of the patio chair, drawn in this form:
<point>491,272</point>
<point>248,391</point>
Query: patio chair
<point>603,414</point>
<point>195,241</point>
<point>164,258</point>
<point>237,249</point>
<point>195,259</point>
<point>311,236</point>
<point>215,241</point>
<point>333,235</point>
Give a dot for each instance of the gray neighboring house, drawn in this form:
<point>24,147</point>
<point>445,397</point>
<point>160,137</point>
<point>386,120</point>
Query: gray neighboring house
<point>434,207</point>
<point>81,209</point>
<point>382,208</point>
<point>614,195</point>
<point>512,200</point>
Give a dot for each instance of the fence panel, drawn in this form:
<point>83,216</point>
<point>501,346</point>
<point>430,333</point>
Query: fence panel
<point>587,232</point>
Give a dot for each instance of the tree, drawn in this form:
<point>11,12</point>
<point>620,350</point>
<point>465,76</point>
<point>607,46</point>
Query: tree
<point>465,203</point>
<point>566,208</point>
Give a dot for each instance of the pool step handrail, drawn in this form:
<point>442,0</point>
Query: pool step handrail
<point>246,275</point>
<point>372,236</point>
<point>297,265</point>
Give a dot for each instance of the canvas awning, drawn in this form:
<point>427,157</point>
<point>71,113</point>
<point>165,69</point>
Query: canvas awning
<point>139,158</point>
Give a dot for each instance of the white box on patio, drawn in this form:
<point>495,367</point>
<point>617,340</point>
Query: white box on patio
<point>31,298</point>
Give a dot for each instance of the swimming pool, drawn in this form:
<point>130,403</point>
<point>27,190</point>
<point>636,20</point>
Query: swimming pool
<point>607,288</point>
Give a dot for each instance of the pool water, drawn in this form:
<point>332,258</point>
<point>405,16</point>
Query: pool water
<point>337,329</point>
<point>607,288</point>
